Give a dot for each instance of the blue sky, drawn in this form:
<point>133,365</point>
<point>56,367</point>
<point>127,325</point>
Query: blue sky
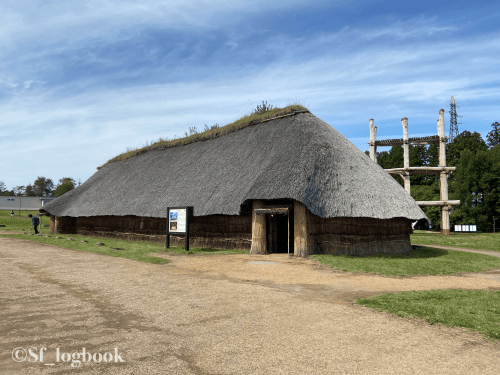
<point>80,81</point>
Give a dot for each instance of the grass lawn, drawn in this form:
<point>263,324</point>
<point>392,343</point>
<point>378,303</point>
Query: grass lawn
<point>480,241</point>
<point>423,261</point>
<point>136,250</point>
<point>476,310</point>
<point>20,221</point>
<point>473,310</point>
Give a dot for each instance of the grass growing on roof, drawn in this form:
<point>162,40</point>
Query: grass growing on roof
<point>479,241</point>
<point>477,310</point>
<point>241,123</point>
<point>423,261</point>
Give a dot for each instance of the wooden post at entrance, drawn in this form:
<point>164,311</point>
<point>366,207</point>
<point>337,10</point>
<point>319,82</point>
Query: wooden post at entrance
<point>259,243</point>
<point>299,229</point>
<point>445,210</point>
<point>406,146</point>
<point>373,139</point>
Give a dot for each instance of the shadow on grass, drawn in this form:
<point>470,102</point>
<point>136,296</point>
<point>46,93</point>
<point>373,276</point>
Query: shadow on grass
<point>421,252</point>
<point>420,261</point>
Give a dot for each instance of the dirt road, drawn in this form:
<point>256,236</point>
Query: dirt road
<point>218,315</point>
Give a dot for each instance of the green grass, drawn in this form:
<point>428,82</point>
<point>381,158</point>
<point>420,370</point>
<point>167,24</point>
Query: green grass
<point>179,250</point>
<point>136,250</point>
<point>205,135</point>
<point>474,310</point>
<point>423,261</point>
<point>20,221</point>
<point>480,241</point>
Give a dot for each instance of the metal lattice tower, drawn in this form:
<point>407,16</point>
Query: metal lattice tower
<point>453,120</point>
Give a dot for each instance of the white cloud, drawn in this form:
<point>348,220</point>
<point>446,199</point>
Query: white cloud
<point>345,77</point>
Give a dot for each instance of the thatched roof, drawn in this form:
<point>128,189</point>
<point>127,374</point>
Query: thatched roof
<point>299,157</point>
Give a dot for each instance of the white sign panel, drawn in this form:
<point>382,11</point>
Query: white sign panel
<point>473,228</point>
<point>465,228</point>
<point>177,220</point>
<point>458,228</point>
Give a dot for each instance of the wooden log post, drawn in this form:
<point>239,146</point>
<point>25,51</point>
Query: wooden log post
<point>259,243</point>
<point>53,225</point>
<point>445,211</point>
<point>373,138</point>
<point>406,146</point>
<point>300,243</point>
<point>56,224</point>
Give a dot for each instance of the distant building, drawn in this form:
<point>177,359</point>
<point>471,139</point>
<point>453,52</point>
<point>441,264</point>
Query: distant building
<point>23,203</point>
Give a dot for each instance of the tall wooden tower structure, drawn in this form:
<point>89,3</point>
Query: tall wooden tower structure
<point>405,172</point>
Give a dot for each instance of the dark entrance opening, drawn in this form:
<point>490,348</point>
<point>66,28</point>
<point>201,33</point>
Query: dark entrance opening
<point>279,233</point>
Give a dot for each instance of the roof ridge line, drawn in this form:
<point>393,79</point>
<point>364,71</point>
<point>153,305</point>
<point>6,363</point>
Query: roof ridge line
<point>213,135</point>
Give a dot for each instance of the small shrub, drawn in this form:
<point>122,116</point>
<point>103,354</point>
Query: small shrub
<point>262,108</point>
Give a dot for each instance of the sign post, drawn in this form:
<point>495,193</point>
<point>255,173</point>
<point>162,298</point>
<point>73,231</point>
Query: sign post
<point>178,219</point>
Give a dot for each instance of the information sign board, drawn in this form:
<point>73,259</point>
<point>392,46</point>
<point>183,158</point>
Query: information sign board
<point>178,219</point>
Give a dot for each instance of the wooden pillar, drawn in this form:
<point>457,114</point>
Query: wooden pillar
<point>445,212</point>
<point>53,225</point>
<point>404,122</point>
<point>259,245</point>
<point>300,242</point>
<point>373,138</point>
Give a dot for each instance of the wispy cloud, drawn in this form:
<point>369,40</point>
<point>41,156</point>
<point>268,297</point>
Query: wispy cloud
<point>85,81</point>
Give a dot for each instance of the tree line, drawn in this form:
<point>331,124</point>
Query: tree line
<point>41,187</point>
<point>475,182</point>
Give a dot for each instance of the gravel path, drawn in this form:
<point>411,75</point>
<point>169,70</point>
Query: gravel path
<point>227,317</point>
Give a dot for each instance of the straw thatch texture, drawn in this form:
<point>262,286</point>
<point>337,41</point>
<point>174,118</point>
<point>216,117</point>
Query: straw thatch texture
<point>216,231</point>
<point>299,157</point>
<point>358,236</point>
<point>63,225</point>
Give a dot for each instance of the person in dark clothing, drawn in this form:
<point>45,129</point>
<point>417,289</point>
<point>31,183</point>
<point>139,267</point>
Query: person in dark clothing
<point>35,222</point>
<point>12,214</point>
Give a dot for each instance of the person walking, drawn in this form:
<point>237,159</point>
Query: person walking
<point>12,214</point>
<point>35,222</point>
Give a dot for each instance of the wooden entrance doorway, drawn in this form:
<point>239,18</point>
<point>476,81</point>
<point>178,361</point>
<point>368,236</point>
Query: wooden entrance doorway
<point>277,233</point>
<point>272,228</point>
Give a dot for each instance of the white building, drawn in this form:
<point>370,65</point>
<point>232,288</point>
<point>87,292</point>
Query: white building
<point>23,203</point>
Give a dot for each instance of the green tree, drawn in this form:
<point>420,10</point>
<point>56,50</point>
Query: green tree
<point>493,136</point>
<point>476,185</point>
<point>19,190</point>
<point>428,193</point>
<point>464,141</point>
<point>43,186</point>
<point>65,184</point>
<point>3,188</point>
<point>392,159</point>
<point>29,192</point>
<point>418,158</point>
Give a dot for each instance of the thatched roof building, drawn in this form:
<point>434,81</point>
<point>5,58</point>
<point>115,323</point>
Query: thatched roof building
<point>333,197</point>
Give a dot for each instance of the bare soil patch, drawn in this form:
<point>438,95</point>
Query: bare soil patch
<point>221,314</point>
<point>280,269</point>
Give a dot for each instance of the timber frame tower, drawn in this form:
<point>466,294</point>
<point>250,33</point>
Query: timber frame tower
<point>405,172</point>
